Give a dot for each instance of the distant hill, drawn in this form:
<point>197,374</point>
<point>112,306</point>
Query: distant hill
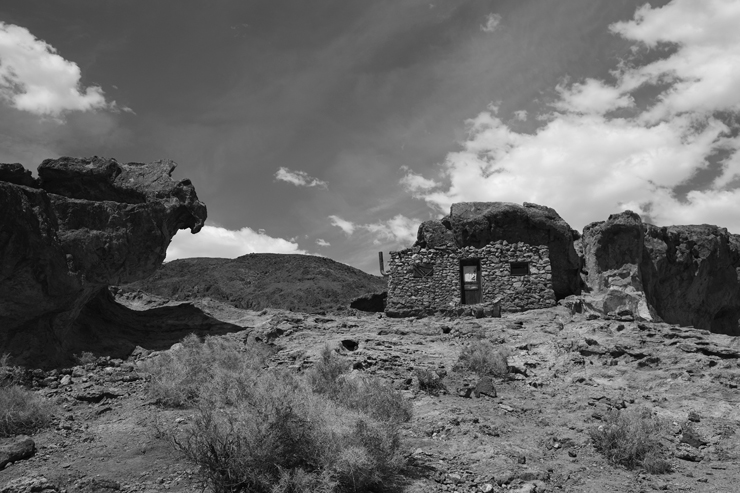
<point>303,283</point>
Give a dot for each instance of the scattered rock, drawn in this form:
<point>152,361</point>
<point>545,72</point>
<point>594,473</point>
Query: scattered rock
<point>16,449</point>
<point>485,387</point>
<point>97,393</point>
<point>30,484</point>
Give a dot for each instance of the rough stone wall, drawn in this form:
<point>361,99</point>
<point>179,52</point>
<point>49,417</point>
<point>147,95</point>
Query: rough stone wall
<point>441,290</point>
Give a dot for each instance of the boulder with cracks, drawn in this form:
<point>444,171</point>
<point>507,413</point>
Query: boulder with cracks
<point>687,275</point>
<point>82,225</point>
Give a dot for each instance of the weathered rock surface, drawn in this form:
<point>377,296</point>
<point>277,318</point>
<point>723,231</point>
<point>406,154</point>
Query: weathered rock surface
<point>84,224</point>
<point>480,223</point>
<point>691,276</point>
<point>16,449</point>
<point>687,275</point>
<point>613,252</point>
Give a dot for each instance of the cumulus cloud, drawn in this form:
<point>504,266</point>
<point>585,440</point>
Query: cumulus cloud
<point>322,242</point>
<point>399,229</point>
<point>492,22</point>
<point>214,241</point>
<point>597,151</point>
<point>34,78</point>
<point>347,226</point>
<point>415,182</point>
<point>299,178</point>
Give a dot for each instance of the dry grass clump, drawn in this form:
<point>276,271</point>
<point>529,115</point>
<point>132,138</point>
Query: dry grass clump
<point>484,358</point>
<point>262,430</point>
<point>181,376</point>
<point>429,381</point>
<point>21,411</point>
<point>330,377</point>
<point>630,438</point>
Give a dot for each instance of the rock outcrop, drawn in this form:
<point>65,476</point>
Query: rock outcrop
<point>82,225</point>
<point>480,223</point>
<point>613,252</point>
<point>687,275</point>
<point>691,276</point>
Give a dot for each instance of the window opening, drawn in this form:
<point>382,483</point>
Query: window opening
<point>519,268</point>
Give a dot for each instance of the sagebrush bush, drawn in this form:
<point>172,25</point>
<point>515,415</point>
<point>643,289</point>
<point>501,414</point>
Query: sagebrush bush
<point>195,369</point>
<point>370,395</point>
<point>429,381</point>
<point>631,438</point>
<point>22,411</point>
<point>485,359</point>
<point>85,358</point>
<point>263,430</point>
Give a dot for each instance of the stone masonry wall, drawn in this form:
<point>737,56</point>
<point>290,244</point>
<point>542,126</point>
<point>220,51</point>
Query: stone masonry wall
<point>440,288</point>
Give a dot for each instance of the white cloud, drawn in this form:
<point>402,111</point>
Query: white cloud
<point>492,22</point>
<point>299,178</point>
<point>592,96</point>
<point>214,241</point>
<point>34,78</point>
<point>415,183</point>
<point>322,242</point>
<point>399,229</point>
<point>346,226</point>
<point>587,161</point>
<point>521,115</point>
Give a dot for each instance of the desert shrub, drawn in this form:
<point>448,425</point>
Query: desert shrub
<point>22,411</point>
<point>181,376</point>
<point>324,376</point>
<point>630,438</point>
<point>279,436</point>
<point>429,381</point>
<point>330,377</point>
<point>85,358</point>
<point>484,358</point>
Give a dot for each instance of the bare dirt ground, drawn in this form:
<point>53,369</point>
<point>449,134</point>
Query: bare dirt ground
<point>567,372</point>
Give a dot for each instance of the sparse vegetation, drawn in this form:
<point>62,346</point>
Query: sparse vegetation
<point>85,358</point>
<point>265,430</point>
<point>630,438</point>
<point>21,411</point>
<point>429,381</point>
<point>358,392</point>
<point>195,369</point>
<point>484,358</point>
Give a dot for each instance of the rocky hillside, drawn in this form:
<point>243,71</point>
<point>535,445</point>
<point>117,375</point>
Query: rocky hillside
<point>568,372</point>
<point>302,283</point>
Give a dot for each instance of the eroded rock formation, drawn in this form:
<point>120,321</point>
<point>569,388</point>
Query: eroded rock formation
<point>82,225</point>
<point>687,275</point>
<point>480,223</point>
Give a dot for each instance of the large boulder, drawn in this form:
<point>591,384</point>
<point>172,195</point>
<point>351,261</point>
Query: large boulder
<point>83,225</point>
<point>686,275</point>
<point>480,223</point>
<point>613,253</point>
<point>691,276</point>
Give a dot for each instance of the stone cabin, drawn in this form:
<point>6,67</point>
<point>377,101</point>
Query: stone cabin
<point>484,254</point>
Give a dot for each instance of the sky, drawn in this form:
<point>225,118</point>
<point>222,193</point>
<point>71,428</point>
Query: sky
<point>335,127</point>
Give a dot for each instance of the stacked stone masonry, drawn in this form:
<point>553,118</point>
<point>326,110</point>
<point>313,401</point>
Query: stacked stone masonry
<point>430,279</point>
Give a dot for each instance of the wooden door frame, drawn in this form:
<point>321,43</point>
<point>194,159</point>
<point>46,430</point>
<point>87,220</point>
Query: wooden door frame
<point>466,262</point>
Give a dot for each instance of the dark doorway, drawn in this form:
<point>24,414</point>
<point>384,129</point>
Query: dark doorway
<point>470,281</point>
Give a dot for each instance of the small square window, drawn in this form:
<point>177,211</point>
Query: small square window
<point>519,268</point>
